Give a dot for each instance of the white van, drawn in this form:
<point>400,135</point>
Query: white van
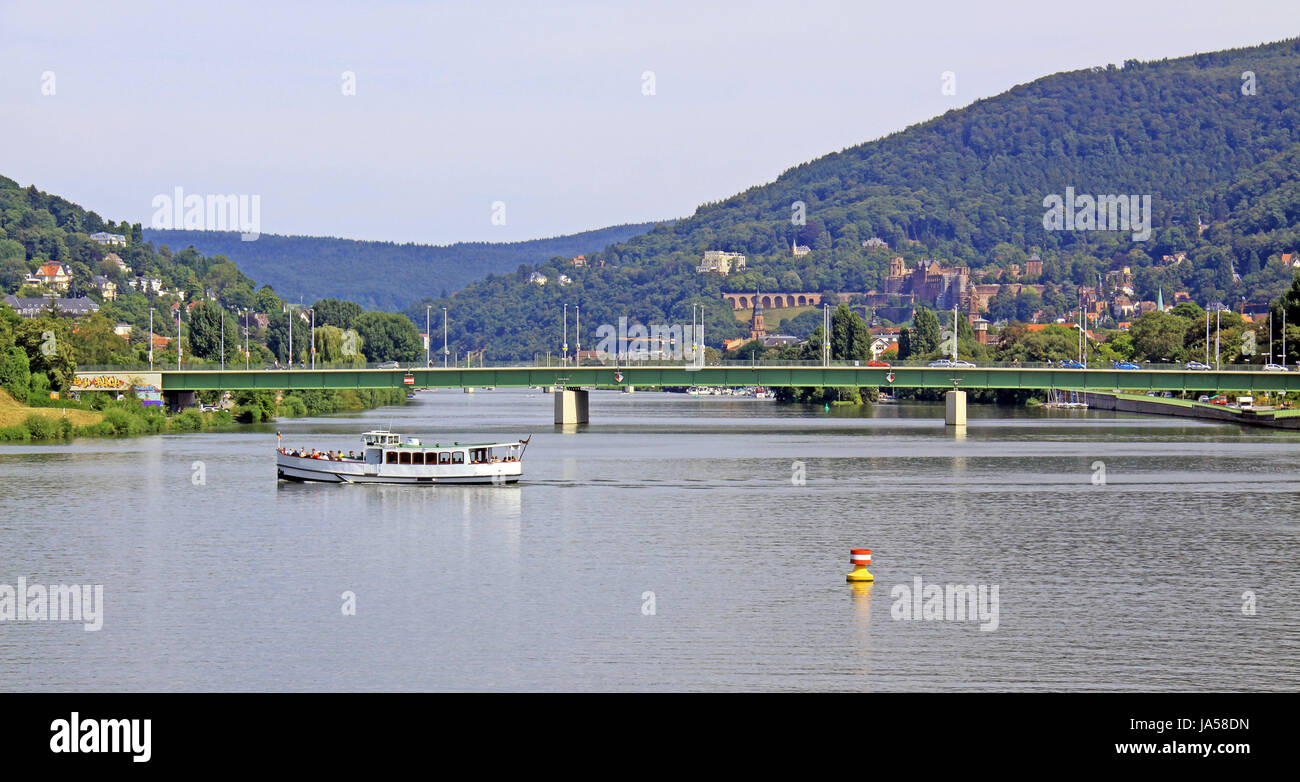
<point>1246,402</point>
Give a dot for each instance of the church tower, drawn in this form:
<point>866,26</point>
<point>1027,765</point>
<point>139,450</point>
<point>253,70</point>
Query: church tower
<point>757,329</point>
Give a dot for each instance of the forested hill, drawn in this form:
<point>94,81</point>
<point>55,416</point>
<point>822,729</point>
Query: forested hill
<point>968,188</point>
<point>381,275</point>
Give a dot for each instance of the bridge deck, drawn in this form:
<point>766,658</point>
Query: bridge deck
<point>729,375</point>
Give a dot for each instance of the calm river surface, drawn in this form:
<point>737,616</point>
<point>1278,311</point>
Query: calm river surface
<point>235,583</point>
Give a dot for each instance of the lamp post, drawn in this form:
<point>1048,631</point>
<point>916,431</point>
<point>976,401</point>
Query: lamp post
<point>826,335</point>
<point>151,339</point>
<point>565,347</point>
<point>178,339</point>
<point>290,306</point>
<point>1218,366</point>
<point>577,334</point>
<point>247,357</point>
<point>444,337</point>
<point>223,339</point>
<point>313,337</point>
<point>427,335</point>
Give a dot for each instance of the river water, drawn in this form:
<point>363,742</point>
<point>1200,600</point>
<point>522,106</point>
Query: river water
<point>673,543</point>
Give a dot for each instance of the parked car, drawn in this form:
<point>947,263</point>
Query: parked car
<point>1196,365</point>
<point>1275,368</point>
<point>390,365</point>
<point>1070,363</point>
<point>1203,398</point>
<point>877,363</point>
<point>943,363</point>
<point>1124,365</point>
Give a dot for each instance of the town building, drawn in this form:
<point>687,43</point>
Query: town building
<point>107,288</point>
<point>117,261</point>
<point>36,307</point>
<point>54,276</point>
<point>723,263</point>
<point>113,240</point>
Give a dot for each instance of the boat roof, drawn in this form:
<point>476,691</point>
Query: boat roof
<point>401,444</point>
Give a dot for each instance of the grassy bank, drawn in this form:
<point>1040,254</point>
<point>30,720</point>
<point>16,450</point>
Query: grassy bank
<point>102,415</point>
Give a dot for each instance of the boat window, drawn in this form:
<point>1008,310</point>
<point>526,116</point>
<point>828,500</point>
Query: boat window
<point>417,457</point>
<point>458,457</point>
<point>406,457</point>
<point>444,458</point>
<point>391,457</point>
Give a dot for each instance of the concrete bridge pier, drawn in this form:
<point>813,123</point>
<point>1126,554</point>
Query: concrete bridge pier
<point>955,409</point>
<point>570,406</point>
<point>177,401</point>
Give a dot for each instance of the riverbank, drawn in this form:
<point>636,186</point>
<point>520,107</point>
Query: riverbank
<point>1152,405</point>
<point>127,418</point>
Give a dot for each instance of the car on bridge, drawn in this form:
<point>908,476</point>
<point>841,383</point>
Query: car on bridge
<point>1218,400</point>
<point>1124,365</point>
<point>1072,364</point>
<point>1275,368</point>
<point>390,365</point>
<point>1196,366</point>
<point>878,363</point>
<point>947,363</point>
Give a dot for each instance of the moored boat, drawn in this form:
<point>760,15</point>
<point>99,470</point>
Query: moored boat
<point>387,458</point>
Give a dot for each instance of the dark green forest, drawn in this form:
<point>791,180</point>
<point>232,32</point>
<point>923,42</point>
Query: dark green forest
<point>381,275</point>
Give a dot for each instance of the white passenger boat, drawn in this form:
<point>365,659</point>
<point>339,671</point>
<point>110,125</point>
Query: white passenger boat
<point>387,458</point>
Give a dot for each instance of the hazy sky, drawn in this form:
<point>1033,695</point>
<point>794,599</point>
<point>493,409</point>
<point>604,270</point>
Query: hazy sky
<point>538,105</point>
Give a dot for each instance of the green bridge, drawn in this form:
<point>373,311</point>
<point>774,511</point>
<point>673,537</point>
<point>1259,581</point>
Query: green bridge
<point>570,381</point>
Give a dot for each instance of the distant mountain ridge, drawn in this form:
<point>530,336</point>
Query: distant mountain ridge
<point>1208,137</point>
<point>381,275</point>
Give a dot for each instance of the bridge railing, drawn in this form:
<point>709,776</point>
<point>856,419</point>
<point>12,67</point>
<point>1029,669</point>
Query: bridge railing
<point>587,363</point>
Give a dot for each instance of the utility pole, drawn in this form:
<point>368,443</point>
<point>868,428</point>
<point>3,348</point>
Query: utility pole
<point>954,333</point>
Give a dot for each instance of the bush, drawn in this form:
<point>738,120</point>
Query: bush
<point>292,406</point>
<point>190,420</point>
<point>15,372</point>
<point>42,427</point>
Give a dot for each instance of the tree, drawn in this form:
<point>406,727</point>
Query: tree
<point>336,312</point>
<point>925,332</point>
<point>15,373</point>
<point>387,336</point>
<point>1158,336</point>
<point>278,339</point>
<point>205,332</point>
<point>850,338</point>
<point>49,349</point>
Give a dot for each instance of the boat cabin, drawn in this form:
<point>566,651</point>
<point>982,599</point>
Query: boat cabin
<point>388,448</point>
